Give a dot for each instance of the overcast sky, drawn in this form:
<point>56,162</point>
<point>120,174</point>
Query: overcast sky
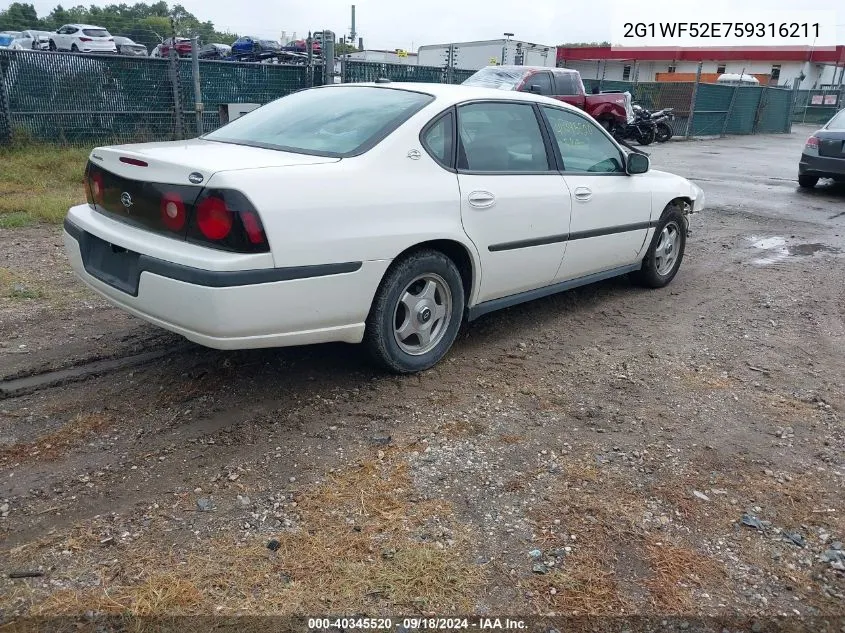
<point>409,24</point>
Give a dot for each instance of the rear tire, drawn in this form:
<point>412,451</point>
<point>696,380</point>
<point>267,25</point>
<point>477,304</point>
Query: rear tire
<point>808,182</point>
<point>664,255</point>
<point>663,132</point>
<point>416,313</point>
<point>74,48</point>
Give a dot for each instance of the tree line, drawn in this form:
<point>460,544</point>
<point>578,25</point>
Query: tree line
<point>145,23</point>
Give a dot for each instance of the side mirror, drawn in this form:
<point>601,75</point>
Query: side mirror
<point>535,89</point>
<point>637,163</point>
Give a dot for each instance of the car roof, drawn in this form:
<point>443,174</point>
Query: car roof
<point>87,26</point>
<point>450,94</point>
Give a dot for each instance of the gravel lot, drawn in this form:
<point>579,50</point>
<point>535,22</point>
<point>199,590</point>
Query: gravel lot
<point>611,450</point>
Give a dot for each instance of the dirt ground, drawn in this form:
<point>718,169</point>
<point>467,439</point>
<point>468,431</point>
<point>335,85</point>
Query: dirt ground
<point>607,451</point>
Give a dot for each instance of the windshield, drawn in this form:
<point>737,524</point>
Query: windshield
<point>837,123</point>
<point>325,121</point>
<point>96,32</point>
<point>493,77</point>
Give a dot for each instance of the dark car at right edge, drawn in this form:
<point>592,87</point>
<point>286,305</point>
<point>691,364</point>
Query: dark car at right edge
<point>824,154</point>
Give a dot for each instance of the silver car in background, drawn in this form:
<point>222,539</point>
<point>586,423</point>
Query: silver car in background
<point>126,46</point>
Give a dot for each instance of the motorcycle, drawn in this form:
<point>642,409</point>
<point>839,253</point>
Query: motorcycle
<point>640,128</point>
<point>660,118</point>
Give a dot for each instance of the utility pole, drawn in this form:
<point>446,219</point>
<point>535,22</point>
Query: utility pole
<point>352,32</point>
<point>174,78</point>
<point>195,67</point>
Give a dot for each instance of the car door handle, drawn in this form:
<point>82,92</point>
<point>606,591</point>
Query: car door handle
<point>482,199</point>
<point>583,193</point>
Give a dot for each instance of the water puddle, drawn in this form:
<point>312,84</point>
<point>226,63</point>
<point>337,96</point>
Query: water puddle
<point>775,249</point>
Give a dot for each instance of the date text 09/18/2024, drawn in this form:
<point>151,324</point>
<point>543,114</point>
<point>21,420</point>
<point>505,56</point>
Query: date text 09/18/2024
<point>417,624</point>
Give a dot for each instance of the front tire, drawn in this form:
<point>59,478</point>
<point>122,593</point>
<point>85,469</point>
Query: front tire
<point>416,313</point>
<point>52,46</point>
<point>664,256</point>
<point>645,136</point>
<point>808,182</point>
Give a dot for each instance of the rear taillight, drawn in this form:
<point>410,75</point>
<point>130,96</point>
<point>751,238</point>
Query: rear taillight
<point>214,218</point>
<point>226,219</point>
<point>96,185</point>
<point>84,39</point>
<point>813,142</point>
<point>173,212</point>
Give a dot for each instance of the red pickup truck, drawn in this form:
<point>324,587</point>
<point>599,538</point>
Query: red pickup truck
<point>563,84</point>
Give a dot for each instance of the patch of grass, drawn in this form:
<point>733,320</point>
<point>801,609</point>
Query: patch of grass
<point>15,220</point>
<point>359,545</point>
<point>616,565</point>
<point>675,571</point>
<point>38,183</point>
<point>14,286</point>
<point>54,444</point>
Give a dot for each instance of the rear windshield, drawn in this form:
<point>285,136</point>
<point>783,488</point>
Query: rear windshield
<point>837,123</point>
<point>96,32</point>
<point>492,77</point>
<point>325,121</point>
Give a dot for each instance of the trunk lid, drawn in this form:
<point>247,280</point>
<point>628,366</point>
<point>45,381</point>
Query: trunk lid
<point>173,162</point>
<point>831,143</point>
<point>140,184</point>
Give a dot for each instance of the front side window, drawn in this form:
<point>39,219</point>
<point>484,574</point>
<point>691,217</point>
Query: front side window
<point>542,80</point>
<point>500,137</point>
<point>324,121</point>
<point>437,139</point>
<point>583,146</point>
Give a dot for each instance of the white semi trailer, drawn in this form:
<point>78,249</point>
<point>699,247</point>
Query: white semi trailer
<point>475,55</point>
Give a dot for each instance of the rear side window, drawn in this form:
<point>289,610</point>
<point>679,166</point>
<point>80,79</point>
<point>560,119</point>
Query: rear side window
<point>96,32</point>
<point>437,139</point>
<point>837,123</point>
<point>325,121</point>
<point>500,137</point>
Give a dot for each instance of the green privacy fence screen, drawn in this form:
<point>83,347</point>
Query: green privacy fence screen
<point>87,99</point>
<point>718,109</point>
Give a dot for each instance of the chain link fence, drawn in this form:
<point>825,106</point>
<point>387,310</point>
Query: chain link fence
<point>817,106</point>
<point>78,99</point>
<point>75,99</point>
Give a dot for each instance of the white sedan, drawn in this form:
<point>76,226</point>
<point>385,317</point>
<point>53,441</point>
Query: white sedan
<point>383,213</point>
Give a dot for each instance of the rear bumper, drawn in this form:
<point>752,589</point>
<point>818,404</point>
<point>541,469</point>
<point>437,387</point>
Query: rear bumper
<point>230,309</point>
<point>821,166</point>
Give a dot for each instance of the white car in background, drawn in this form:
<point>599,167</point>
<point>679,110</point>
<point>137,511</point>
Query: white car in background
<point>38,40</point>
<point>384,213</point>
<point>82,38</point>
